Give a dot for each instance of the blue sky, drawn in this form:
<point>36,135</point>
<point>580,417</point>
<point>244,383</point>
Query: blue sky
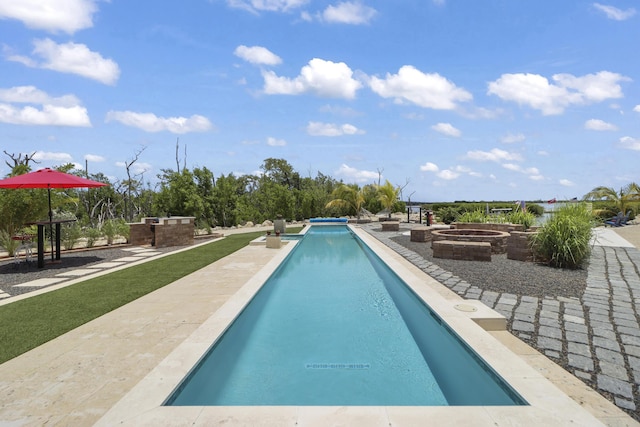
<point>452,100</point>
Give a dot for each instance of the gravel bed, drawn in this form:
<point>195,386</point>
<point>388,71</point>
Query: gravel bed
<point>506,275</point>
<point>12,274</point>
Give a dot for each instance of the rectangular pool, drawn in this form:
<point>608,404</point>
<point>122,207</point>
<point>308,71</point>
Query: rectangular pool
<point>334,325</point>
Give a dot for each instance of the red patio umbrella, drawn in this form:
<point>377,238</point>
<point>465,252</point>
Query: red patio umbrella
<point>49,178</point>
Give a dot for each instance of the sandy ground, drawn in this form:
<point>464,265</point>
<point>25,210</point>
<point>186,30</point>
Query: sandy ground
<point>631,233</point>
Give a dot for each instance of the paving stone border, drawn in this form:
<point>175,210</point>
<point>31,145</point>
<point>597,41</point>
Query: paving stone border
<point>596,337</point>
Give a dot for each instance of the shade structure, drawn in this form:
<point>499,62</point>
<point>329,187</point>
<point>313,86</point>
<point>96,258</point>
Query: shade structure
<point>49,178</point>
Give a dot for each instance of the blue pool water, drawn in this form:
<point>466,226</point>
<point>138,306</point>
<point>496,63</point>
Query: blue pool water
<point>335,326</point>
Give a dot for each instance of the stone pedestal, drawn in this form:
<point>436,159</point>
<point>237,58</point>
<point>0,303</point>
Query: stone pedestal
<point>391,226</point>
<point>519,246</point>
<point>274,242</point>
<point>420,234</point>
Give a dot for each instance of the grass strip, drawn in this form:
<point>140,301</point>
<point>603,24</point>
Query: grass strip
<point>31,322</point>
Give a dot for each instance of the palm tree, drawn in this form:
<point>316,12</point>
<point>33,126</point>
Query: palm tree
<point>347,197</point>
<point>388,195</point>
<point>623,200</point>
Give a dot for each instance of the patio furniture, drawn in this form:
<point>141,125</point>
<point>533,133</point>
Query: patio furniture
<point>26,242</point>
<point>615,221</point>
<point>625,218</point>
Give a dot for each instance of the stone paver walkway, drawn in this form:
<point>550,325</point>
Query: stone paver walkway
<point>595,337</point>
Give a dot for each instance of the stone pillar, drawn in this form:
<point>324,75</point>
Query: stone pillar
<point>280,225</point>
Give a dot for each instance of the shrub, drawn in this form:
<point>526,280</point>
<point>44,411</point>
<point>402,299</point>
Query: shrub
<point>563,241</point>
<point>448,214</point>
<point>109,230</point>
<point>70,234</point>
<point>519,217</point>
<point>535,209</point>
<point>8,243</point>
<point>477,216</point>
<point>123,229</point>
<point>92,234</point>
<point>115,227</point>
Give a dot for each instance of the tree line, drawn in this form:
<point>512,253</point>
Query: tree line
<point>278,190</point>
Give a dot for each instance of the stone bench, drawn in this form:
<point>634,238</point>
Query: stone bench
<point>390,226</point>
<point>470,251</point>
<point>421,234</point>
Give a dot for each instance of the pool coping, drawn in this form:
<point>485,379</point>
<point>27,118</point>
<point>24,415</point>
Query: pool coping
<point>548,404</point>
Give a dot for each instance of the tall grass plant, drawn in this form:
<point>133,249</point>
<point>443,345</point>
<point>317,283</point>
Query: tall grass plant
<point>563,241</point>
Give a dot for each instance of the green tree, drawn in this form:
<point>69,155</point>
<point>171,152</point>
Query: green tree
<point>226,195</point>
<point>388,196</point>
<point>205,184</point>
<point>178,195</point>
<point>622,200</point>
<point>348,198</point>
<point>280,172</point>
<point>19,207</point>
<point>371,199</point>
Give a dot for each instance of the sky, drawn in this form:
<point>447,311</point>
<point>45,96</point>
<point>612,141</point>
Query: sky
<point>447,99</point>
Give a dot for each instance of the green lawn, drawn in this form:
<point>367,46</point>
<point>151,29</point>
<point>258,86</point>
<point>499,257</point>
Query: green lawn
<point>31,322</point>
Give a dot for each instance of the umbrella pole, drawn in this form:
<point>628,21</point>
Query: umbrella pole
<point>50,222</point>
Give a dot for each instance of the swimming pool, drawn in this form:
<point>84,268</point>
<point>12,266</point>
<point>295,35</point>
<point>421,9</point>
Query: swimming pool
<point>334,325</point>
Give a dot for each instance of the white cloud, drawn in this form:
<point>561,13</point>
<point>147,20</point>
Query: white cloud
<point>630,143</point>
<point>331,129</point>
<point>73,58</point>
<point>48,115</point>
<point>149,122</point>
<point>615,13</point>
<point>94,158</point>
<point>255,6</point>
<point>495,155</point>
<point>60,158</point>
<point>353,174</point>
<point>414,86</point>
<point>637,108</point>
<point>273,142</point>
<point>33,95</point>
<point>512,138</point>
<point>593,87</point>
<point>533,173</point>
<point>68,16</point>
<point>340,111</point>
<point>257,55</point>
<point>566,183</point>
<point>512,167</point>
<point>429,167</point>
<point>320,77</point>
<point>538,93</point>
<point>447,174</point>
<point>446,129</point>
<point>44,110</point>
<point>468,171</point>
<point>349,12</point>
<point>597,124</point>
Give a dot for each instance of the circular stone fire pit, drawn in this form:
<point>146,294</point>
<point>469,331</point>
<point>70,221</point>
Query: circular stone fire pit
<point>497,239</point>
